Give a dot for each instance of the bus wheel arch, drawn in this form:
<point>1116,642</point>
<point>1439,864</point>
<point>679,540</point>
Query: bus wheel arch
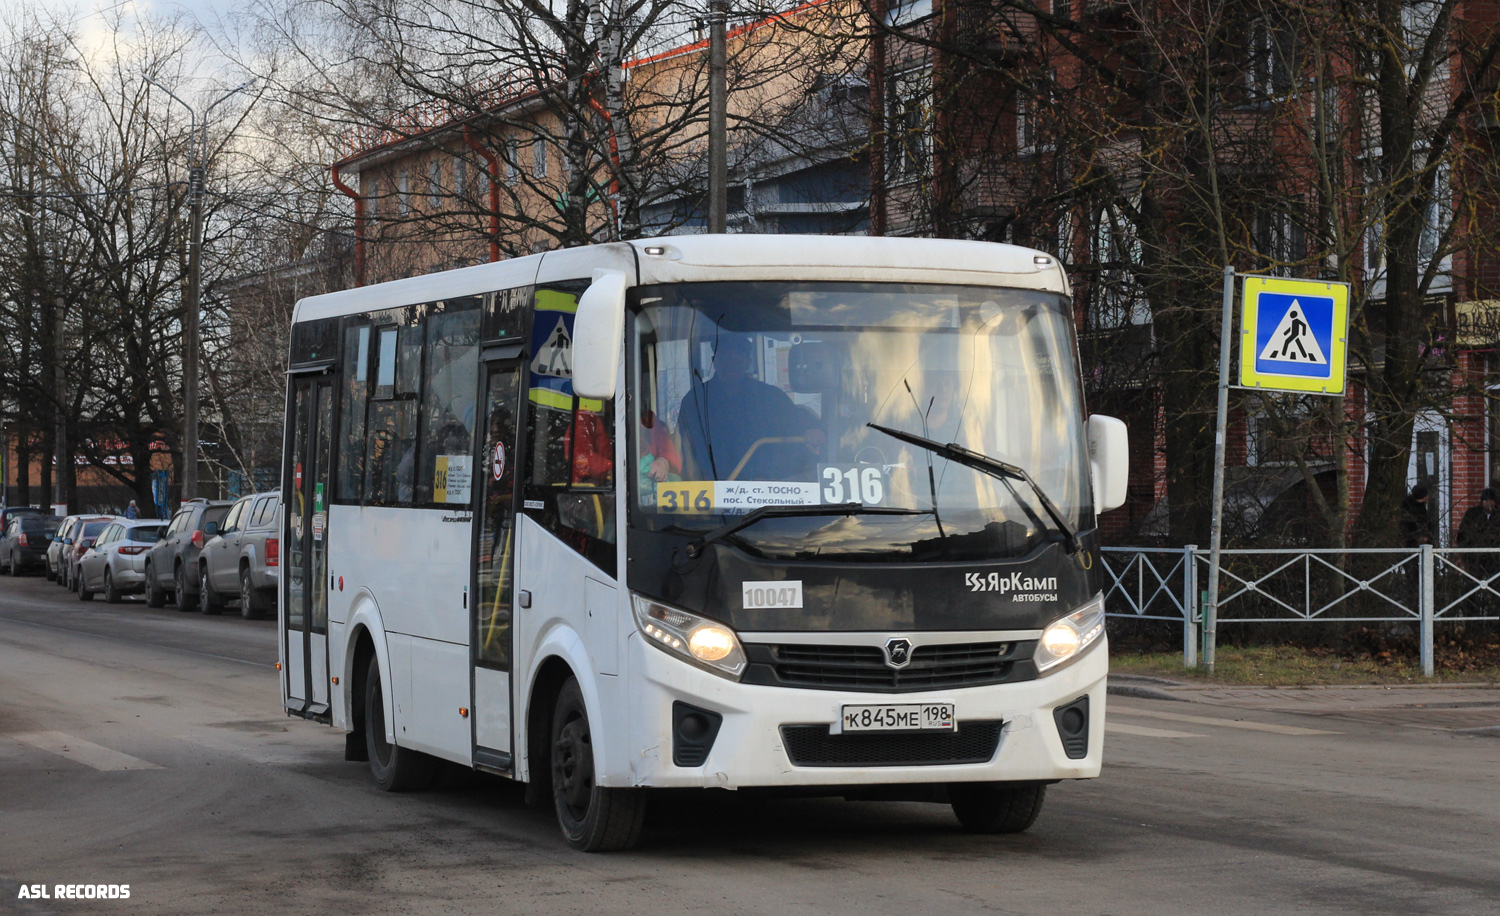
<point>356,670</point>
<point>550,677</point>
<point>367,636</point>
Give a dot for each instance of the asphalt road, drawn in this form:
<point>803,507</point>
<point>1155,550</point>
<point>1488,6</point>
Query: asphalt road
<point>146,747</point>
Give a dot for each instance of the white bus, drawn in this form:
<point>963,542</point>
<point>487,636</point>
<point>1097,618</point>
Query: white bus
<point>814,513</point>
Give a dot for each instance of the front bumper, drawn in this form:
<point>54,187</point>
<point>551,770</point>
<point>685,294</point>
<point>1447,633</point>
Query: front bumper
<point>748,750</point>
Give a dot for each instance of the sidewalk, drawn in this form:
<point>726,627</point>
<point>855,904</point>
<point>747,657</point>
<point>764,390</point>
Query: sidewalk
<point>1449,707</point>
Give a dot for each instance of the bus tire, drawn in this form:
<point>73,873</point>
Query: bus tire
<point>395,768</point>
<point>592,818</point>
<point>996,807</point>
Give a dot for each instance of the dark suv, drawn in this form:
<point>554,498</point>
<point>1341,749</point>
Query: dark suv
<point>172,564</point>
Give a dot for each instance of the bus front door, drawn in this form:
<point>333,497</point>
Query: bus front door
<point>494,553</point>
<point>304,532</point>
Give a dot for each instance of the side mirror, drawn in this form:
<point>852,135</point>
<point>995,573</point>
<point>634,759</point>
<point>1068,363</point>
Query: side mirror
<point>210,529</point>
<point>1109,461</point>
<point>88,543</point>
<point>598,332</point>
<point>68,541</point>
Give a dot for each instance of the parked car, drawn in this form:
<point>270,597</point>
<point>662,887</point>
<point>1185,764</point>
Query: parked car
<point>244,558</point>
<point>10,512</point>
<point>84,533</point>
<point>55,549</point>
<point>116,563</point>
<point>171,565</point>
<point>25,542</point>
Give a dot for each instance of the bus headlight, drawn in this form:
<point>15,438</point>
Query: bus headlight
<point>706,643</point>
<point>1067,638</point>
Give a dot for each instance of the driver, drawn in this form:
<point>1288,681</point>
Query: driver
<point>723,419</point>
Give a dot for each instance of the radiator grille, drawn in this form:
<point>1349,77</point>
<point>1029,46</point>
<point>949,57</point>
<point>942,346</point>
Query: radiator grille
<point>813,746</point>
<point>834,667</point>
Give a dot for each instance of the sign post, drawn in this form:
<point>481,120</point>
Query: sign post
<point>1294,336</point>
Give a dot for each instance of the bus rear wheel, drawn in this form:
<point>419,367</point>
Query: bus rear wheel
<point>996,807</point>
<point>592,818</point>
<point>395,768</point>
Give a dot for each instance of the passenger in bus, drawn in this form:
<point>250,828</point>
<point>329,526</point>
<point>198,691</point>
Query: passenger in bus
<point>737,427</point>
<point>661,460</point>
<point>588,441</point>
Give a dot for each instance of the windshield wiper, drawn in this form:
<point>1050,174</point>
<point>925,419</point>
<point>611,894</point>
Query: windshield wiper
<point>695,546</point>
<point>1004,470</point>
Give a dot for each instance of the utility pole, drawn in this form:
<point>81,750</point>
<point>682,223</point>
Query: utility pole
<point>192,343</point>
<point>60,429</point>
<point>718,126</point>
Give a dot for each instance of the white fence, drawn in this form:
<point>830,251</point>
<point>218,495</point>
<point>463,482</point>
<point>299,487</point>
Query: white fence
<point>1423,586</point>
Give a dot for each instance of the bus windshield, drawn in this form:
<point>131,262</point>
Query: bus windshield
<point>747,395</point>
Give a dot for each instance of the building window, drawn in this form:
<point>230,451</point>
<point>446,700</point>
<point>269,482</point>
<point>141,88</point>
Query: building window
<point>1033,101</point>
<point>1277,432</point>
<point>539,157</point>
<point>435,184</point>
<point>1280,243</point>
<point>905,12</point>
<point>1271,66</point>
<point>372,196</point>
<point>909,141</point>
<point>1115,300</point>
<point>460,176</point>
<point>482,185</point>
<point>512,161</point>
<point>403,193</point>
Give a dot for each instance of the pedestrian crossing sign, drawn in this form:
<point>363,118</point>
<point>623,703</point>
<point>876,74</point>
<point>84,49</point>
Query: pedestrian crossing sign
<point>1294,335</point>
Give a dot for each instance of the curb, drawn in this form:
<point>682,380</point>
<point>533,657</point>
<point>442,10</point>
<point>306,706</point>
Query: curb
<point>1146,679</point>
<point>1144,693</point>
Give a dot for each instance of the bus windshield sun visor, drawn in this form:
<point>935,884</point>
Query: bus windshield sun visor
<point>695,547</point>
<point>993,466</point>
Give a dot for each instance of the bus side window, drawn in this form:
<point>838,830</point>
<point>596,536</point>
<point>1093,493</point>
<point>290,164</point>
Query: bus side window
<point>354,395</point>
<point>571,440</point>
<point>452,378</point>
<point>391,441</point>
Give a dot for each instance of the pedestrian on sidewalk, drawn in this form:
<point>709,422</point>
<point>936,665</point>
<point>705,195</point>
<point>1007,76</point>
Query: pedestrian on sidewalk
<point>1481,528</point>
<point>1416,524</point>
<point>131,511</point>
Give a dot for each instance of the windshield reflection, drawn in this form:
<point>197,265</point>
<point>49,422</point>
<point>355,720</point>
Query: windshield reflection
<point>753,394</point>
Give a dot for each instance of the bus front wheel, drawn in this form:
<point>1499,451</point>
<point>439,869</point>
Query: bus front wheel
<point>996,807</point>
<point>395,768</point>
<point>593,818</point>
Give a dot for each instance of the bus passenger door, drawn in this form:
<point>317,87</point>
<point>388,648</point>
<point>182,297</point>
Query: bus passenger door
<point>494,554</point>
<point>305,515</point>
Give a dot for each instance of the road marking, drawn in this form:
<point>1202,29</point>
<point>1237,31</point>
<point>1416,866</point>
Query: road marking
<point>85,752</point>
<point>1143,731</point>
<point>1223,723</point>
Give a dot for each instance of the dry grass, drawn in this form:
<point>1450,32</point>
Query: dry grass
<point>1290,666</point>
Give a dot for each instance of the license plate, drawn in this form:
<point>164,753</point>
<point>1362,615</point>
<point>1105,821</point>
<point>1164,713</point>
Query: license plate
<point>908,717</point>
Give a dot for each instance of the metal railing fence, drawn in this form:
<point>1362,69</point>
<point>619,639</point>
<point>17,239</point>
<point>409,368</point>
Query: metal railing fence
<point>1424,586</point>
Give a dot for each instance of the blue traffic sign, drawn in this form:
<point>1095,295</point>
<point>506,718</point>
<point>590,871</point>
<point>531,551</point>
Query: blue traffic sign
<point>1293,335</point>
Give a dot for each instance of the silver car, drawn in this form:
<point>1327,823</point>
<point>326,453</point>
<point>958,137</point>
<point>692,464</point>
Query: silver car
<point>243,558</point>
<point>115,563</point>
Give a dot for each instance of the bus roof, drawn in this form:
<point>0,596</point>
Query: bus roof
<point>699,258</point>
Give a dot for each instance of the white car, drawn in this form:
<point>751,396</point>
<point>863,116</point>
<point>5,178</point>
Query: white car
<point>115,563</point>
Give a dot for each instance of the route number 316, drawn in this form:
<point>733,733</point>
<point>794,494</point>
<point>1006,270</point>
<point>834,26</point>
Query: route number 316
<point>855,484</point>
